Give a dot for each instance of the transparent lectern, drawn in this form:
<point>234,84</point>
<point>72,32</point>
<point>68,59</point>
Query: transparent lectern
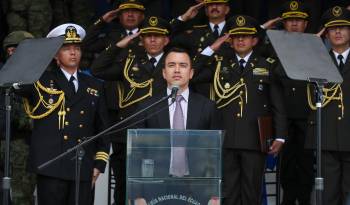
<point>150,154</point>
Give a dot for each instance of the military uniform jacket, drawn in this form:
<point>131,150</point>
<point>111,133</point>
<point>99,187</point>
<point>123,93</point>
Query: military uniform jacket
<point>196,38</point>
<point>137,80</point>
<point>244,96</point>
<point>86,115</point>
<point>97,39</point>
<point>335,117</point>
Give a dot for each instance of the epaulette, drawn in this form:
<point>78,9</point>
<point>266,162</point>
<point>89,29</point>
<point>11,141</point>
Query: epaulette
<point>270,60</point>
<point>200,26</point>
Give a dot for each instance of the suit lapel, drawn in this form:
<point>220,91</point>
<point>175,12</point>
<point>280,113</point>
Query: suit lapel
<point>163,117</point>
<point>193,111</point>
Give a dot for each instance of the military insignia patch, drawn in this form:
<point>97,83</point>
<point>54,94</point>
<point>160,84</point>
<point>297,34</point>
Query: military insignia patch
<point>240,21</point>
<point>260,71</point>
<point>337,11</point>
<point>293,5</point>
<point>92,92</point>
<point>153,21</point>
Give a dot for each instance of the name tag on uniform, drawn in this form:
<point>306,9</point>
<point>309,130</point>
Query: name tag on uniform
<point>260,71</point>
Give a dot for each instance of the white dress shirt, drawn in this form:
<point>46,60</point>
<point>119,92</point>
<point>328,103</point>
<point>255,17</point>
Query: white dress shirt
<point>158,57</point>
<point>184,105</point>
<point>68,75</point>
<point>345,55</point>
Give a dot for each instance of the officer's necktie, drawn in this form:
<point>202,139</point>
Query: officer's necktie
<point>179,164</point>
<point>216,31</point>
<point>341,63</point>
<point>241,65</point>
<point>71,84</point>
<point>153,62</point>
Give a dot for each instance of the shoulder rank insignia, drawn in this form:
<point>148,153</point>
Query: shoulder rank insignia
<point>270,60</point>
<point>260,71</point>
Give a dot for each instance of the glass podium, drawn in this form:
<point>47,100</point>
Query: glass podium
<point>151,156</point>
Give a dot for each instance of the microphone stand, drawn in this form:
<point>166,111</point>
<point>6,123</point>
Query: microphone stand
<point>79,147</point>
<point>6,180</point>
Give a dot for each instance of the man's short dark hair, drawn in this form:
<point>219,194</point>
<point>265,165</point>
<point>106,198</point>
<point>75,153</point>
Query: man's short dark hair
<point>178,50</point>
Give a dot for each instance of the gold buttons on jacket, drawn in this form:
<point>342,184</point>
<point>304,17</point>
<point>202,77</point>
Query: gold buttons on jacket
<point>65,137</point>
<point>79,140</point>
<point>339,118</point>
<point>238,115</point>
<point>82,112</point>
<point>68,109</point>
<point>293,89</point>
<point>66,123</point>
<point>81,126</point>
<point>339,106</point>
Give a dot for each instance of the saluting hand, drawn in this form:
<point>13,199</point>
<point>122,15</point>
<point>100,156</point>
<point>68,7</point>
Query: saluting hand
<point>110,15</point>
<point>217,44</point>
<point>276,147</point>
<point>192,12</point>
<point>271,23</point>
<point>126,41</point>
<point>321,32</point>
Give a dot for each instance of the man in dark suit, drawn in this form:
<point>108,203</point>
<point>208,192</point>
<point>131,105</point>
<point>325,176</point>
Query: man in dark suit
<point>188,111</point>
<point>335,113</point>
<point>138,71</point>
<point>67,107</point>
<point>246,88</point>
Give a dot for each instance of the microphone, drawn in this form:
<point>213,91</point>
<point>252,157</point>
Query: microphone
<point>174,89</point>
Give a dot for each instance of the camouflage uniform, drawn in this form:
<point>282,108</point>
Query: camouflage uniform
<point>29,15</point>
<point>77,11</point>
<point>22,182</point>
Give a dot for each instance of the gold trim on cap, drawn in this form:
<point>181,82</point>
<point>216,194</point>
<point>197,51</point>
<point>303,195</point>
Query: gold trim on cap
<point>295,14</point>
<point>243,30</point>
<point>337,23</point>
<point>215,1</point>
<point>131,6</point>
<point>154,30</point>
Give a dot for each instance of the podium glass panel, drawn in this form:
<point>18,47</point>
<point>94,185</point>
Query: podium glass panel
<point>151,161</point>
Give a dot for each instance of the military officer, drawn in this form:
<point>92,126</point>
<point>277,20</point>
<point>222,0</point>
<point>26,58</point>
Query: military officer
<point>296,162</point>
<point>130,14</point>
<point>245,88</point>
<point>67,107</point>
<point>335,112</point>
<point>138,71</point>
<point>201,35</point>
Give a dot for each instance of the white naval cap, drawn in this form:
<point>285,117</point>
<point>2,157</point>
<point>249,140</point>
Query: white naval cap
<point>73,33</point>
